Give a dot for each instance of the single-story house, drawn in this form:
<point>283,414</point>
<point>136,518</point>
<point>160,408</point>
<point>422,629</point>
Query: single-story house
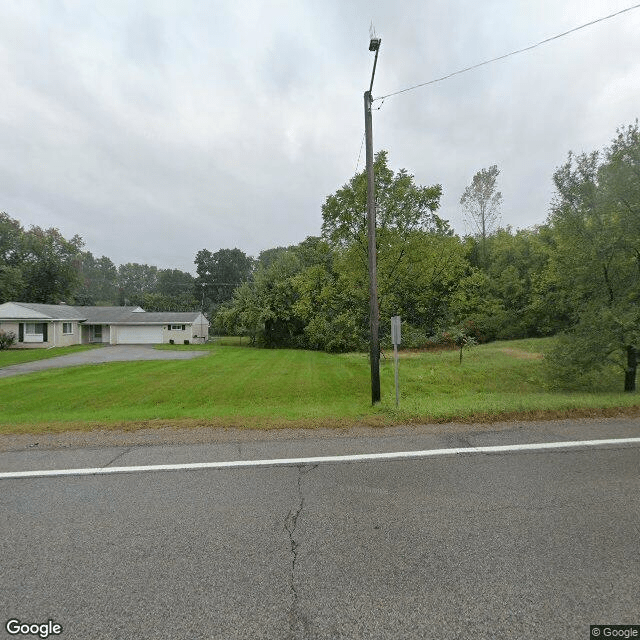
<point>62,325</point>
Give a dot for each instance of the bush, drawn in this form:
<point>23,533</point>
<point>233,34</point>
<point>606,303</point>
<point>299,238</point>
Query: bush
<point>7,339</point>
<point>411,337</point>
<point>455,338</point>
<point>575,363</point>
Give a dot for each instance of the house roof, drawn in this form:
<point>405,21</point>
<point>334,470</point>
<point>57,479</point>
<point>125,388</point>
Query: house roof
<point>94,315</point>
<point>108,315</point>
<point>164,317</point>
<point>34,311</point>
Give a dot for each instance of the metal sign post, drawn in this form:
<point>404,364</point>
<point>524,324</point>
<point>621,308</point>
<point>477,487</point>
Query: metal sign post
<point>395,338</point>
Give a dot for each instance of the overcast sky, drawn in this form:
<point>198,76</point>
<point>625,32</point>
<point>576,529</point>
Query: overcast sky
<point>157,128</point>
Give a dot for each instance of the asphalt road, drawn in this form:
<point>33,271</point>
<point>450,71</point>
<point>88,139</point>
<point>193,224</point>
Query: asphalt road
<point>115,353</point>
<point>516,545</point>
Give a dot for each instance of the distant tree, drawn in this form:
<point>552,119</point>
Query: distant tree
<point>50,266</point>
<point>98,281</point>
<point>518,280</point>
<point>481,202</point>
<point>159,302</point>
<point>37,265</point>
<point>173,282</point>
<point>268,256</point>
<point>11,283</point>
<point>134,281</point>
<point>220,273</point>
<point>11,241</point>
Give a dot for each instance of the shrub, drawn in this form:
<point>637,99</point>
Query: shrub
<point>455,338</point>
<point>411,337</point>
<point>7,339</point>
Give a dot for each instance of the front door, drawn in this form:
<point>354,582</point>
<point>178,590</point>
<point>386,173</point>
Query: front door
<point>96,333</point>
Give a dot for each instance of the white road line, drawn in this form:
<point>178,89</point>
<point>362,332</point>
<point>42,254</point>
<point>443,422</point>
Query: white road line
<point>362,457</point>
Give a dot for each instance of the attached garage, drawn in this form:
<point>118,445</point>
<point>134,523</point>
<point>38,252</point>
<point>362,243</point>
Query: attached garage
<point>51,325</point>
<point>127,334</point>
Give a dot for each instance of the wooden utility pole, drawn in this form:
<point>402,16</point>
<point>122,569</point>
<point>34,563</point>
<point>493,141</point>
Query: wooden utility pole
<point>374,320</point>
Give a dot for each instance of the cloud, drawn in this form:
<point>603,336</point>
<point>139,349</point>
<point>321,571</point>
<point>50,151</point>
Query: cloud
<point>155,129</point>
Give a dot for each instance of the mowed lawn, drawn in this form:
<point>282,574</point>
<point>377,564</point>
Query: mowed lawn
<point>243,386</point>
<point>19,356</point>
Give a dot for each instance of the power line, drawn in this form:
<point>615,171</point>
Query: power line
<point>359,154</point>
<point>507,55</point>
<point>362,141</point>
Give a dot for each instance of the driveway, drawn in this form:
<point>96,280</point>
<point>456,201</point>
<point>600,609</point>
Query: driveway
<point>116,353</point>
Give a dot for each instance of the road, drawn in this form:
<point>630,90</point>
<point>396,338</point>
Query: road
<point>115,353</point>
<point>534,544</point>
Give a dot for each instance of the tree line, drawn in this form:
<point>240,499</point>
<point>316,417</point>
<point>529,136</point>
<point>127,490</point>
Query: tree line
<point>577,275</point>
<point>40,265</point>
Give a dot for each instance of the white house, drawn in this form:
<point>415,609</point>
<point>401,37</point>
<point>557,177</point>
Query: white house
<point>61,325</point>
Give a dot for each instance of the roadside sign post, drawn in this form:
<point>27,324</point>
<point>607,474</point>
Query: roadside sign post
<point>395,338</point>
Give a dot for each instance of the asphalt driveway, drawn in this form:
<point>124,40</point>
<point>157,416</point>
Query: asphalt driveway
<point>116,353</point>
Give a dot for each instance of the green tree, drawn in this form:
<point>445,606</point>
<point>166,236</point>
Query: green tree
<point>417,256</point>
<point>98,281</point>
<point>50,266</point>
<point>159,302</point>
<point>266,257</point>
<point>401,207</point>
<point>11,241</point>
<point>264,307</point>
<point>315,294</point>
<point>481,202</point>
<point>37,265</point>
<point>596,226</point>
<point>134,281</point>
<point>220,273</point>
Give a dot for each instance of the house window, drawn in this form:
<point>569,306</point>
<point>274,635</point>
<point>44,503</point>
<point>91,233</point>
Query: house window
<point>177,327</point>
<point>67,328</point>
<point>33,329</point>
<point>33,332</point>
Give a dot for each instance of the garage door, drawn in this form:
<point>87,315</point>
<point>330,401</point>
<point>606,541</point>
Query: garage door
<point>139,335</point>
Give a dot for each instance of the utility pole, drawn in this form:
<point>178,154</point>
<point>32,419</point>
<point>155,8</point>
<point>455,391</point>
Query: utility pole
<point>374,320</point>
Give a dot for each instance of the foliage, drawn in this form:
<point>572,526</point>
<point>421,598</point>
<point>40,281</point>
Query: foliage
<point>37,264</point>
<point>577,275</point>
<point>515,294</point>
<point>481,203</point>
<point>596,227</point>
<point>220,273</point>
<point>134,281</point>
<point>98,281</point>
<point>401,207</point>
<point>7,339</point>
<point>175,283</point>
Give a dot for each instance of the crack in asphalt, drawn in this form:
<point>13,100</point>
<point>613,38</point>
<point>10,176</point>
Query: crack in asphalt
<point>298,624</point>
<point>118,456</point>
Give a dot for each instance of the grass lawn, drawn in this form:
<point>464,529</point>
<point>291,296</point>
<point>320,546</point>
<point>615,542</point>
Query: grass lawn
<point>18,356</point>
<point>242,386</point>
